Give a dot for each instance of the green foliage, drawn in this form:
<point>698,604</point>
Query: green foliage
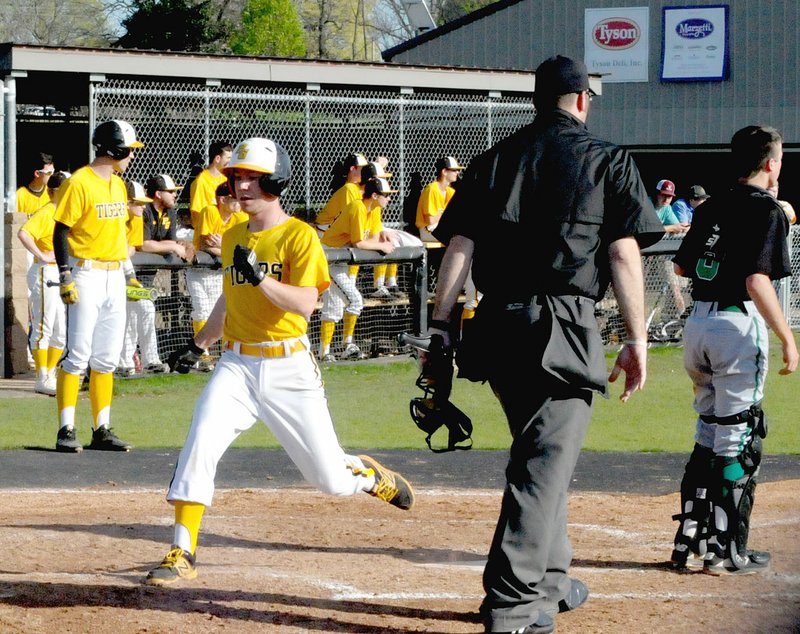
<point>369,406</point>
<point>271,28</point>
<point>172,25</point>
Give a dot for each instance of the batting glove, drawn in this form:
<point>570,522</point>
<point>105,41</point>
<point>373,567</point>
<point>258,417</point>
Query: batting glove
<point>246,264</point>
<point>67,289</point>
<point>183,359</point>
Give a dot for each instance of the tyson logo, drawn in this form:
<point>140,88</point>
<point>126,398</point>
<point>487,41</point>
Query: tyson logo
<point>694,28</point>
<point>616,33</point>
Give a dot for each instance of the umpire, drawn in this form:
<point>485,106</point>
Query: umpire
<point>572,209</point>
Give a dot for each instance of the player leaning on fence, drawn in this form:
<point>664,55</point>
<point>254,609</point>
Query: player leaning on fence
<point>274,270</point>
<point>736,247</point>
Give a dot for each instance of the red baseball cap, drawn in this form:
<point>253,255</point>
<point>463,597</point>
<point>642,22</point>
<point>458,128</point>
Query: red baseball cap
<point>666,187</point>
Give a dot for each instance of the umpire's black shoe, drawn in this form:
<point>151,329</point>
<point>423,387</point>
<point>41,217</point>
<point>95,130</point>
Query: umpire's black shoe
<point>103,439</point>
<point>67,441</point>
<point>543,625</point>
<point>576,597</point>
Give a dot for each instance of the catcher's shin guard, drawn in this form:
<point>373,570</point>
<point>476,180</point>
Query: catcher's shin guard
<point>734,495</point>
<point>695,515</point>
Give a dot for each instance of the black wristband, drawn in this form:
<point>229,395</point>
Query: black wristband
<point>440,324</point>
<point>193,347</point>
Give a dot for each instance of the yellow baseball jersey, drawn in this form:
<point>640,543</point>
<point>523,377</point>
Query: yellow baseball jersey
<point>40,226</point>
<point>354,224</point>
<point>203,192</point>
<point>96,210</point>
<point>291,253</point>
<point>134,231</point>
<point>210,221</point>
<point>336,204</point>
<point>431,204</point>
<point>29,203</point>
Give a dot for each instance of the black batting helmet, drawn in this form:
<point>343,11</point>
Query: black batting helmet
<point>115,138</point>
<point>265,156</point>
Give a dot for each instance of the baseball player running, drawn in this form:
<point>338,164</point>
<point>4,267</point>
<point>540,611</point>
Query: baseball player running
<point>274,270</point>
<point>736,247</point>
<point>93,264</point>
<point>48,316</point>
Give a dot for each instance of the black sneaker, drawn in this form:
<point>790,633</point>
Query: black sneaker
<point>67,441</point>
<point>103,439</point>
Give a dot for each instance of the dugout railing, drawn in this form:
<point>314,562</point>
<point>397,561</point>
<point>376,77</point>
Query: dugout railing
<point>667,298</point>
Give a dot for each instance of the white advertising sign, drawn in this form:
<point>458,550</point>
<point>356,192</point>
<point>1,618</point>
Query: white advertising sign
<point>616,42</point>
<point>695,45</point>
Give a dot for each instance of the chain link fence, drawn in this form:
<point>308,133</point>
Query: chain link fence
<point>317,128</point>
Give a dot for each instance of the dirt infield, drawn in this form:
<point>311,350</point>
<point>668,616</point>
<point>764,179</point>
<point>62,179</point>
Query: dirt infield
<point>293,560</point>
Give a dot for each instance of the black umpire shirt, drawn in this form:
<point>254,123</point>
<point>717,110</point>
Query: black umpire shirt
<point>542,207</point>
<point>734,235</point>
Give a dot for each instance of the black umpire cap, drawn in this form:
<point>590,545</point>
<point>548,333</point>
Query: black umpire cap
<point>560,75</point>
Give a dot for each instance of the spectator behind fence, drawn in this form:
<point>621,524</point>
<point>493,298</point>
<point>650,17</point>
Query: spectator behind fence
<point>357,226</point>
<point>684,208</point>
<point>205,283</point>
<point>48,314</point>
<point>140,328</point>
<point>665,192</point>
<point>578,223</point>
<point>735,251</point>
<point>203,188</point>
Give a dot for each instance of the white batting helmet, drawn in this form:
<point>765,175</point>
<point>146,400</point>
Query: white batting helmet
<point>265,156</point>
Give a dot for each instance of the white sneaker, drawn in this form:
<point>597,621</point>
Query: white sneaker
<point>381,293</point>
<point>45,385</point>
<point>351,351</point>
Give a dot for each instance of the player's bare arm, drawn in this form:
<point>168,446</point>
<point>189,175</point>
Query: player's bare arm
<point>30,244</point>
<point>762,292</point>
<point>452,275</point>
<point>375,244</point>
<point>628,282</point>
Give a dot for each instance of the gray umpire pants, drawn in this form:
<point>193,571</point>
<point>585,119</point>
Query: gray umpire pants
<point>531,553</point>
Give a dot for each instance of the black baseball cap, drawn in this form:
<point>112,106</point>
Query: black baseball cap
<point>561,75</point>
<point>161,182</point>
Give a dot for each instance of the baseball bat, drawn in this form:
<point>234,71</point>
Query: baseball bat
<point>136,293</point>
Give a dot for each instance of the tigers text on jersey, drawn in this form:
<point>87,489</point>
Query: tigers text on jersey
<point>291,253</point>
<point>40,227</point>
<point>96,210</point>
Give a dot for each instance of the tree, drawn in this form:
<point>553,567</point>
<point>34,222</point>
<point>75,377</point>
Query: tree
<point>174,25</point>
<point>269,27</point>
<point>55,23</point>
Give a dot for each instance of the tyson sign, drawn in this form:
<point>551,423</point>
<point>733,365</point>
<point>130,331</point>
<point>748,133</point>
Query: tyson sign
<point>616,33</point>
<point>694,28</point>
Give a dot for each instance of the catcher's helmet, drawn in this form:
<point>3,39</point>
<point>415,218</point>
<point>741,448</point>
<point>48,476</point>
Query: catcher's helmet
<point>265,156</point>
<point>115,138</point>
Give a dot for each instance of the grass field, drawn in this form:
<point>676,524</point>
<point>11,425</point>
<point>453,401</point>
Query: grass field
<point>369,403</point>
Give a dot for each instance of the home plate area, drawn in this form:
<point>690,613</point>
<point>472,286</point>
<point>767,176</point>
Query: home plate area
<point>295,560</point>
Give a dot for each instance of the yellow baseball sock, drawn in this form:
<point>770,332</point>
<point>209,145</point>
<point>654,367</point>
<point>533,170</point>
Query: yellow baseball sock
<point>189,515</point>
<point>378,275</point>
<point>352,271</point>
<point>53,357</point>
<point>326,329</point>
<point>67,386</point>
<point>40,360</point>
<point>101,388</point>
<point>349,326</point>
<point>391,275</point>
